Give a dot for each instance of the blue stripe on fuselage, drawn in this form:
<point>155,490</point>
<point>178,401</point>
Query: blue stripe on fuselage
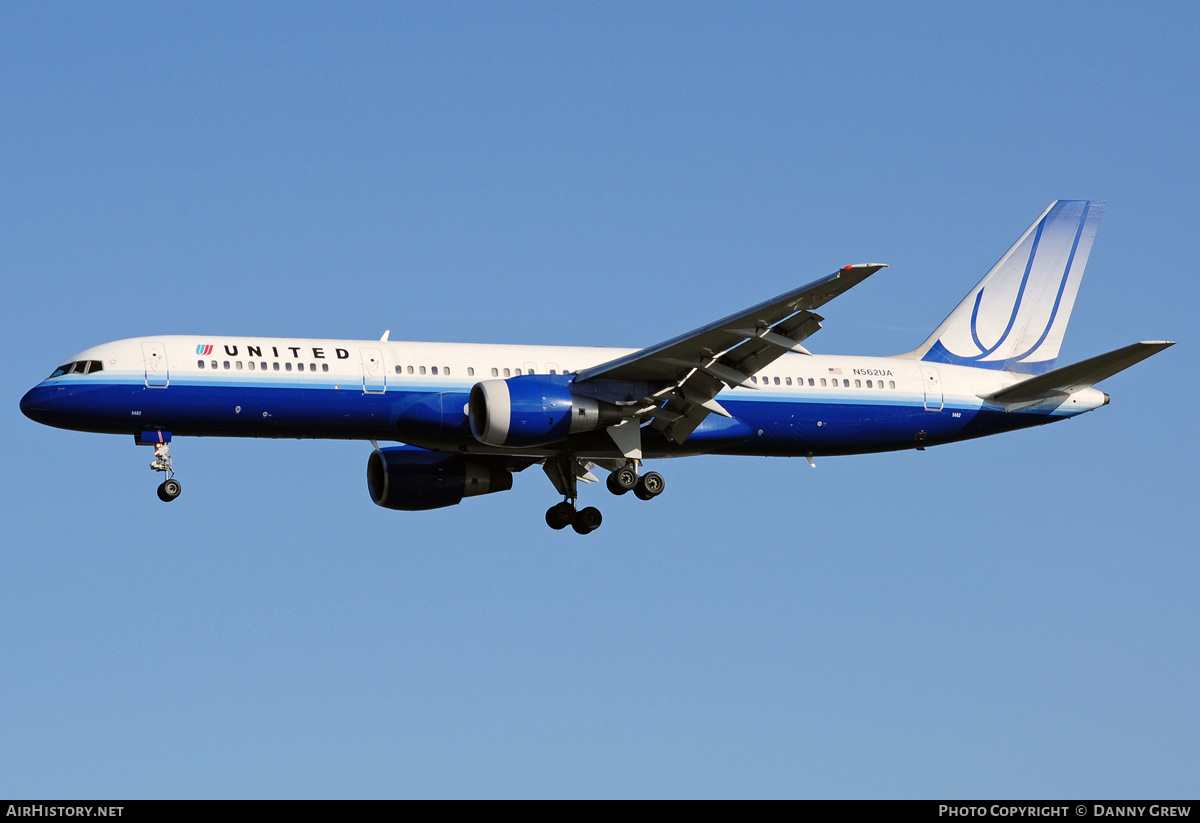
<point>433,415</point>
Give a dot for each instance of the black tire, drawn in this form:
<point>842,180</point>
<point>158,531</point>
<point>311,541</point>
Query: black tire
<point>560,515</point>
<point>621,481</point>
<point>626,477</point>
<point>650,485</point>
<point>168,490</point>
<point>587,520</point>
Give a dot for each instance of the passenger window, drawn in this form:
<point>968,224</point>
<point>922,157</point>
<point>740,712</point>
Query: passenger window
<point>857,384</point>
<point>312,366</point>
<point>300,366</point>
<point>399,370</point>
<point>776,381</point>
<point>199,365</point>
<point>846,383</point>
<point>410,369</point>
<point>869,386</point>
<point>422,370</point>
<point>263,365</point>
<point>434,370</point>
<point>495,372</point>
<point>251,365</point>
<point>891,384</point>
<point>446,370</point>
<point>324,367</point>
<point>288,366</point>
<point>811,383</point>
<point>239,365</point>
<point>753,379</point>
<point>470,371</point>
<point>789,381</point>
<point>507,373</point>
<point>822,381</point>
<point>275,365</point>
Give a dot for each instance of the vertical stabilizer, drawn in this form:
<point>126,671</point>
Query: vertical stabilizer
<point>1016,317</point>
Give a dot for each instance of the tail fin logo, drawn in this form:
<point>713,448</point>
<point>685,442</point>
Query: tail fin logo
<point>1016,317</point>
<point>202,349</point>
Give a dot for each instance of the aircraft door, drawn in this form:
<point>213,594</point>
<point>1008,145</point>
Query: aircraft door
<point>374,375</point>
<point>157,374</point>
<point>933,388</point>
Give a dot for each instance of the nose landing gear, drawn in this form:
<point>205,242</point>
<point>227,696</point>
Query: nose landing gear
<point>170,488</point>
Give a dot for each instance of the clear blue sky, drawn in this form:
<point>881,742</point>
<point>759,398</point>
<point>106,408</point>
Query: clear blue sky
<point>1010,617</point>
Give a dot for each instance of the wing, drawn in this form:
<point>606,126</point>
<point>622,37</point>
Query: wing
<point>696,366</point>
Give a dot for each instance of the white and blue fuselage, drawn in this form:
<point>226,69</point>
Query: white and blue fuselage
<point>469,416</point>
<point>418,393</point>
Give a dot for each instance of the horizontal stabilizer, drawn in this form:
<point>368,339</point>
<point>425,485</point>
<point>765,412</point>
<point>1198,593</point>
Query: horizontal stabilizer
<point>1077,376</point>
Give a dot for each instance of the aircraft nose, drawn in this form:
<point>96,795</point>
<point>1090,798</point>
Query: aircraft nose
<point>36,403</point>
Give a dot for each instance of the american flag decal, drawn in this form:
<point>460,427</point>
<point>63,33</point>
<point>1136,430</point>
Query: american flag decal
<point>835,371</point>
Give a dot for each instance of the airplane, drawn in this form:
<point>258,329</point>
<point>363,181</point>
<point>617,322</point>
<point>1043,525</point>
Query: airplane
<point>467,417</point>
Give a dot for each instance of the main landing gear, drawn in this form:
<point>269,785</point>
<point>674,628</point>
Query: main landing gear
<point>565,471</point>
<point>170,488</point>
<point>646,487</point>
<point>583,521</point>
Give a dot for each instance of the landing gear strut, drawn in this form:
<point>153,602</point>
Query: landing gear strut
<point>565,471</point>
<point>170,488</point>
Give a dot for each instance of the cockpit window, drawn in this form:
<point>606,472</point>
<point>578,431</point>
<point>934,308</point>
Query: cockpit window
<point>78,367</point>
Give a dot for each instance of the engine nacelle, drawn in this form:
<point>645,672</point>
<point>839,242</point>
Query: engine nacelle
<point>412,479</point>
<point>533,410</point>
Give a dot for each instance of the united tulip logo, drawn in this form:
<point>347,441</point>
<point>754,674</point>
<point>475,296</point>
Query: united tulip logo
<point>203,349</point>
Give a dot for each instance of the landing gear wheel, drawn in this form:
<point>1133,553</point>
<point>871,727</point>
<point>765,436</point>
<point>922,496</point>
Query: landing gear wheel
<point>169,490</point>
<point>587,520</point>
<point>560,515</point>
<point>650,485</point>
<point>622,480</point>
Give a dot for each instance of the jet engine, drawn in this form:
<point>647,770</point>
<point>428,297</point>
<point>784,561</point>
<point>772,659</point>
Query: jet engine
<point>412,479</point>
<point>533,410</point>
